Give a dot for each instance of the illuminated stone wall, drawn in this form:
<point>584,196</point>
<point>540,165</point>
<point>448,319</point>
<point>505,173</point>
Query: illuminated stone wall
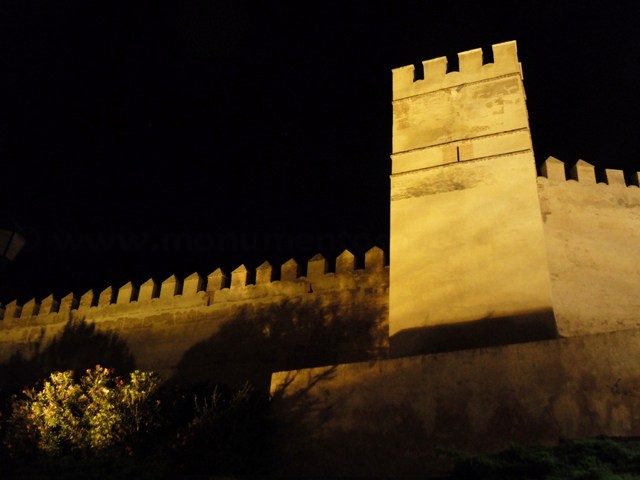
<point>179,327</point>
<point>464,206</point>
<point>592,232</point>
<point>387,419</point>
<point>484,253</point>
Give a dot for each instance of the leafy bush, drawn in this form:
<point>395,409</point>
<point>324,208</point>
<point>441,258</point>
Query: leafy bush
<point>81,419</point>
<point>102,426</point>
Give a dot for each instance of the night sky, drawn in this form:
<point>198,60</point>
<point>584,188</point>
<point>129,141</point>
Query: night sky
<point>144,139</point>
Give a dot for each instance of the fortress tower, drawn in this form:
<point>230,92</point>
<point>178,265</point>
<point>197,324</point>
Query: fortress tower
<point>528,287</point>
<point>467,267</point>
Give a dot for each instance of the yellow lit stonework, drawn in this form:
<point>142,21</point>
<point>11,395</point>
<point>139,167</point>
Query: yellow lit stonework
<point>485,252</point>
<point>467,239</point>
<point>592,231</point>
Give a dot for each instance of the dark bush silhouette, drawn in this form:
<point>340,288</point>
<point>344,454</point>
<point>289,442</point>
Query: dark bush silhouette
<point>228,433</point>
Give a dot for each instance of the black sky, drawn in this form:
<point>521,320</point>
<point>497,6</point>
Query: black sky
<point>144,139</point>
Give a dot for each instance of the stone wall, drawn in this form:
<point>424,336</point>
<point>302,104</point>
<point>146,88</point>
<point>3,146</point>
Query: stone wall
<point>388,418</point>
<point>592,233</point>
<point>484,253</point>
<point>222,329</point>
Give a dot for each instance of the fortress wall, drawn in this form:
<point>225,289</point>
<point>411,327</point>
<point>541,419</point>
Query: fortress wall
<point>159,323</point>
<point>387,418</point>
<point>592,233</point>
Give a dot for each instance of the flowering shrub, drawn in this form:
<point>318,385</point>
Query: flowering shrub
<point>104,426</point>
<point>81,418</point>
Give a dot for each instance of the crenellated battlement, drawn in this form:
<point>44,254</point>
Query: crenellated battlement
<point>472,68</point>
<point>591,224</point>
<point>478,112</point>
<point>556,171</point>
<point>196,290</point>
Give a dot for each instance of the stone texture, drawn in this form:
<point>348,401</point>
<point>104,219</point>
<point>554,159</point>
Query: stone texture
<point>290,271</point>
<point>239,277</point>
<point>483,253</point>
<point>148,290</point>
<point>374,259</point>
<point>170,287</point>
<point>458,231</point>
<point>125,293</point>
<point>217,280</point>
<point>68,303</point>
<point>317,267</point>
<point>592,233</point>
<point>193,284</point>
<point>614,177</point>
<point>345,263</point>
<point>11,310</point>
<point>477,401</point>
<point>106,297</point>
<point>264,274</point>
<point>30,309</point>
<point>553,169</point>
<point>48,305</point>
<point>583,172</point>
<point>86,300</point>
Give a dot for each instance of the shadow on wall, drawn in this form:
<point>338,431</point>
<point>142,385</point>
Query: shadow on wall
<point>78,347</point>
<point>381,439</point>
<point>370,421</point>
<point>487,332</point>
<point>259,340</point>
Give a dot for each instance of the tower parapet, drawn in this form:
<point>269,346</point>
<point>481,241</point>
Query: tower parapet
<point>478,112</point>
<point>472,68</point>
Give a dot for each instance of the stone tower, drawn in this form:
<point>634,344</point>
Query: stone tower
<point>468,263</point>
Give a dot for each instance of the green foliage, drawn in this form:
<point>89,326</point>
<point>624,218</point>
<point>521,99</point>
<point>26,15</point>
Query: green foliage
<point>104,426</point>
<point>595,459</point>
<point>136,397</point>
<point>81,419</point>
